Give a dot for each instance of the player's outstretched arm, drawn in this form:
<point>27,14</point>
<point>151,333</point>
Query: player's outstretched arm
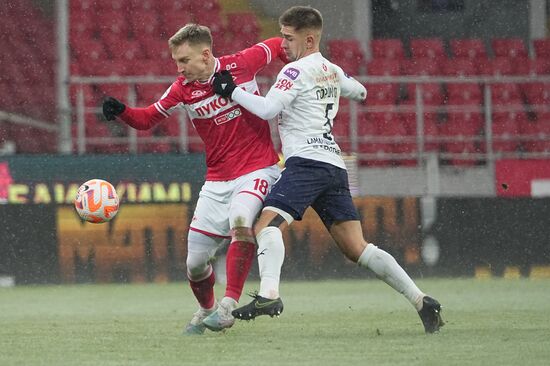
<point>262,107</point>
<point>138,118</point>
<point>351,88</point>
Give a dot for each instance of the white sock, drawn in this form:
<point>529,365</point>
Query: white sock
<point>388,270</point>
<point>271,254</point>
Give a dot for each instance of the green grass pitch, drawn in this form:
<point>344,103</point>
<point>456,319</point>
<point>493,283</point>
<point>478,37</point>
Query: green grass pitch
<point>489,322</point>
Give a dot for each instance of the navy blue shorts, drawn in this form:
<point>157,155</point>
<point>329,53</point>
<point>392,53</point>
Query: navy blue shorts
<point>322,186</point>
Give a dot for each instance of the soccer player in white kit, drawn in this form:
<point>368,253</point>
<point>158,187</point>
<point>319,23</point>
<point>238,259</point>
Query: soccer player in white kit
<point>306,96</point>
<point>240,158</point>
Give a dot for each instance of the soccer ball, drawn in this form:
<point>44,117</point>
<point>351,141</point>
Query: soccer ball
<point>96,201</point>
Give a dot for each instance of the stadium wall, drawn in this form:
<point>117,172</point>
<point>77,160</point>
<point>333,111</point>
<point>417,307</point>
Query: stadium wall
<point>42,240</point>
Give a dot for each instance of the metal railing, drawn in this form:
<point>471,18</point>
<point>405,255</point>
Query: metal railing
<point>486,154</point>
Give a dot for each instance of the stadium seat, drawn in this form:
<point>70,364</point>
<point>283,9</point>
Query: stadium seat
<point>427,48</point>
<point>497,66</point>
<point>460,132</point>
<point>431,94</point>
<point>381,94</point>
<point>367,144</point>
<point>110,5</point>
<point>537,134</point>
<point>144,23</point>
<point>170,22</point>
<point>425,66</point>
<point>532,67</point>
<point>347,53</point>
<point>118,26</point>
<point>383,67</point>
<point>505,126</point>
<point>542,48</point>
<point>468,48</point>
<point>505,93</point>
<point>341,131</point>
<point>387,48</point>
<point>459,67</point>
<point>509,47</point>
<point>148,94</point>
<point>464,94</point>
<point>431,129</point>
<point>247,23</point>
<point>537,93</point>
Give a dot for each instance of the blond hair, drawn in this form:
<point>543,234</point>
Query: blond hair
<point>192,34</point>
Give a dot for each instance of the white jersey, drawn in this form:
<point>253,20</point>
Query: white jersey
<point>310,89</point>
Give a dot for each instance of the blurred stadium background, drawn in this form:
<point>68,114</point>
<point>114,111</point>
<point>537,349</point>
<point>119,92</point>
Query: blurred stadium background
<point>449,156</point>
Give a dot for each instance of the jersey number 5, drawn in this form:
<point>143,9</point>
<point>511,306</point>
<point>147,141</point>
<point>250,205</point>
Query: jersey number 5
<point>328,123</point>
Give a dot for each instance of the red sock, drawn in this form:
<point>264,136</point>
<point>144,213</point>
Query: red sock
<point>238,262</point>
<point>204,290</point>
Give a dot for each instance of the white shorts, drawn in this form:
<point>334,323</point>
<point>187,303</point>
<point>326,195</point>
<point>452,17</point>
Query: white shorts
<point>218,199</point>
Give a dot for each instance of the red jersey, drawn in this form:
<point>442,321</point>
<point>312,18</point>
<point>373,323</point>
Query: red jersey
<point>236,141</point>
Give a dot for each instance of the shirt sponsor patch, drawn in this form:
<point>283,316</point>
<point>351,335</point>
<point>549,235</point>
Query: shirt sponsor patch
<point>283,84</point>
<point>292,73</point>
<point>224,118</point>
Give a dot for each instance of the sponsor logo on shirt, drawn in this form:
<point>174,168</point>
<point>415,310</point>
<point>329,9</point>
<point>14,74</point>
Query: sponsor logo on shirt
<point>283,84</point>
<point>212,106</point>
<point>224,118</point>
<point>198,93</point>
<point>292,73</point>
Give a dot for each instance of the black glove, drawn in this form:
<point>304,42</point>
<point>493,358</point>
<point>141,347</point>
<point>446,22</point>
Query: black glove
<point>223,83</point>
<point>112,108</point>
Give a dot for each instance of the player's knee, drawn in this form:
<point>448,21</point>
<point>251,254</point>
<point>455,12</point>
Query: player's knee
<point>242,234</point>
<point>197,269</point>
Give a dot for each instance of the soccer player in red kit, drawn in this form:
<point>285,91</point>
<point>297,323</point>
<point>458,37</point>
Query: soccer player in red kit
<point>240,158</point>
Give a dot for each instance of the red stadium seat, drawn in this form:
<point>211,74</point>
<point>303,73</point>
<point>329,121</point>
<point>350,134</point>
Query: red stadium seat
<point>387,48</point>
<point>431,94</point>
<point>171,21</point>
<point>505,93</point>
<point>109,5</point>
<point>537,134</point>
<point>505,126</point>
<point>542,47</point>
<point>509,47</point>
<point>245,23</point>
<point>496,66</point>
<point>431,129</point>
<point>367,128</point>
<point>537,93</point>
<point>533,67</point>
<point>459,67</point>
<point>145,23</point>
<point>347,53</point>
<point>420,66</point>
<point>341,131</point>
<point>427,47</point>
<point>461,131</point>
<point>381,94</point>
<point>464,94</point>
<point>468,48</point>
<point>148,94</point>
<point>383,67</point>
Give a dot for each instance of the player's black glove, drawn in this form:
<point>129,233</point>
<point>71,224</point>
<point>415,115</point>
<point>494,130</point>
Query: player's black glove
<point>112,108</point>
<point>223,83</point>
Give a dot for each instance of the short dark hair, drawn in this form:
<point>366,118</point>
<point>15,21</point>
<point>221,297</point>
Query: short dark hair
<point>193,34</point>
<point>302,17</point>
